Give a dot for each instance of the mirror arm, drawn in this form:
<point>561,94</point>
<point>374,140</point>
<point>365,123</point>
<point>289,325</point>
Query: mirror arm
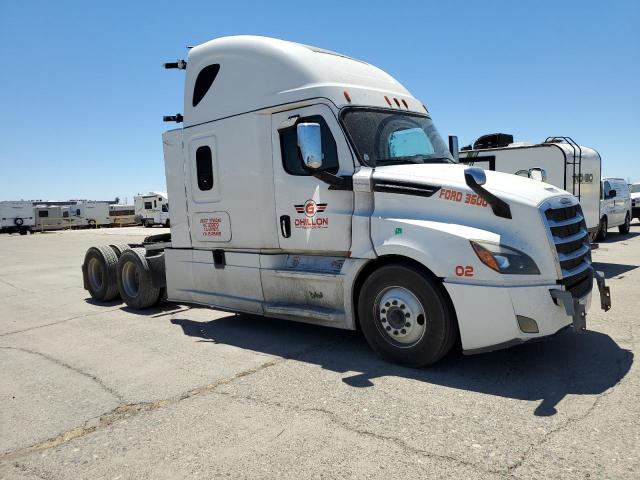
<point>336,182</point>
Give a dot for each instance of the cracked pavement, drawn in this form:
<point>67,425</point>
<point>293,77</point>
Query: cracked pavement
<point>100,391</point>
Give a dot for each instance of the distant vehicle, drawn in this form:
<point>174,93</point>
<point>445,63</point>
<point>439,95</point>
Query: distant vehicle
<point>122,214</point>
<point>52,217</point>
<point>634,188</point>
<point>16,217</point>
<point>559,161</point>
<point>91,214</point>
<point>152,209</point>
<point>615,209</point>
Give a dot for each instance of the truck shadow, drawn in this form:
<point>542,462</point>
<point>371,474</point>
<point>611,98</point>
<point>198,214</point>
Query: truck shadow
<point>611,270</point>
<point>614,237</point>
<point>567,364</point>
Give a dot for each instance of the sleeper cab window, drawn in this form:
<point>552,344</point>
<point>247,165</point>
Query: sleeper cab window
<point>203,83</point>
<point>204,168</point>
<point>291,157</point>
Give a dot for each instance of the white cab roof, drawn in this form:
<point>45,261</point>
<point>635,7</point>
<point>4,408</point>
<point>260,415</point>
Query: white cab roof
<point>260,72</point>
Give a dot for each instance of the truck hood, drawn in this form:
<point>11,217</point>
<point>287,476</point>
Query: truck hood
<point>635,196</point>
<point>509,187</point>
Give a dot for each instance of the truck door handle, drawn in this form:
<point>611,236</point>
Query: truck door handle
<point>285,225</point>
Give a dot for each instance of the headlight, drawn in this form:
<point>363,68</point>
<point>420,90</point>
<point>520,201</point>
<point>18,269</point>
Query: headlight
<point>504,259</point>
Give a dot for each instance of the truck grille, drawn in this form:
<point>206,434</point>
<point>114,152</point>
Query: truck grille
<point>571,239</point>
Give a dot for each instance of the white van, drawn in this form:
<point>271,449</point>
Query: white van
<point>615,206</point>
<point>634,188</point>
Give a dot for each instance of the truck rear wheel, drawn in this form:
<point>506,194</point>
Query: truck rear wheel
<point>626,226</point>
<point>134,279</point>
<point>99,270</point>
<point>118,248</point>
<point>405,316</point>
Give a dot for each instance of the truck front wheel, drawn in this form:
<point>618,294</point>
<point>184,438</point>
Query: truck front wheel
<point>626,226</point>
<point>134,279</point>
<point>405,316</point>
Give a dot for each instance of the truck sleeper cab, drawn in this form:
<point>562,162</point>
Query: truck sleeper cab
<point>310,186</point>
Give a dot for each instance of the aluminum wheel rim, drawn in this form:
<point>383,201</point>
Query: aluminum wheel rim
<point>130,279</point>
<point>96,274</point>
<point>400,316</point>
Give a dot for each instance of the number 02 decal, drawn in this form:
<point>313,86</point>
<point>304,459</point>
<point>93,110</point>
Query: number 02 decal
<point>464,271</point>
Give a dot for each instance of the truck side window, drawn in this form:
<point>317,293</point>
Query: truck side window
<point>165,208</point>
<point>205,79</point>
<point>606,188</point>
<point>204,168</point>
<point>291,158</point>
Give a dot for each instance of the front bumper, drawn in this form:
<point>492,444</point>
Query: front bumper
<point>488,315</point>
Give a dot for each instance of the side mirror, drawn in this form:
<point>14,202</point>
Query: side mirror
<point>539,174</point>
<point>453,148</point>
<point>310,143</point>
<point>477,174</point>
<point>612,194</point>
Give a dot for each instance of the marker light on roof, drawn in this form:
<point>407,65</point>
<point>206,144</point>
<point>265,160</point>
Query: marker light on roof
<point>347,96</point>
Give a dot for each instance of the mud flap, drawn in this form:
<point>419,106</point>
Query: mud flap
<point>605,294</point>
<point>573,307</point>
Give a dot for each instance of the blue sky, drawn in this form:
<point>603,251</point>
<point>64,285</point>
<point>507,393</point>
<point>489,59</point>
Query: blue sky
<point>82,92</point>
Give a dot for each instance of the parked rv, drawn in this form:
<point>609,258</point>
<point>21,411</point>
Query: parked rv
<point>320,191</point>
<point>90,214</point>
<point>634,189</point>
<point>152,209</point>
<point>121,215</point>
<point>558,161</point>
<point>16,217</point>
<point>615,209</point>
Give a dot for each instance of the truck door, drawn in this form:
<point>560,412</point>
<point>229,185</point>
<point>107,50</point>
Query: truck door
<point>311,216</point>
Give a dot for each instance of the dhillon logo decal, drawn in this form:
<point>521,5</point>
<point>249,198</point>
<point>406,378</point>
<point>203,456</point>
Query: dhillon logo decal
<point>310,220</point>
<point>310,208</point>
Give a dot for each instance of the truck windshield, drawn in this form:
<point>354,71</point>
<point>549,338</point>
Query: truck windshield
<point>390,137</point>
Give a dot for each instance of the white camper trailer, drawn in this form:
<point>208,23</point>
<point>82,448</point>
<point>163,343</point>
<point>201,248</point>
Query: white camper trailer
<point>52,217</point>
<point>152,209</point>
<point>90,214</point>
<point>558,161</point>
<point>319,190</point>
<point>16,217</point>
<point>121,215</point>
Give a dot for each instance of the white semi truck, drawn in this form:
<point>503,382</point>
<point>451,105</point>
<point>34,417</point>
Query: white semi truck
<point>310,186</point>
<point>152,209</point>
<point>16,217</point>
<point>559,161</point>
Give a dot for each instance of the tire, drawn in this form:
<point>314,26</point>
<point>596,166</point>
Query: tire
<point>167,224</point>
<point>134,280</point>
<point>18,222</point>
<point>91,223</point>
<point>602,232</point>
<point>148,224</point>
<point>22,231</point>
<point>99,271</point>
<point>626,226</point>
<point>406,316</point>
<point>118,248</point>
